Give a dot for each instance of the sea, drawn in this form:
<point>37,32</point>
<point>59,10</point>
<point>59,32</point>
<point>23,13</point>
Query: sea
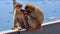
<point>50,9</point>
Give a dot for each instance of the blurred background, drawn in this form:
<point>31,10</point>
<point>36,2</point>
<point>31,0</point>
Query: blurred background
<point>50,9</point>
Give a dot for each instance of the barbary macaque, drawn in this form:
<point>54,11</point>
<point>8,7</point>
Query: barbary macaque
<point>35,16</point>
<point>18,17</point>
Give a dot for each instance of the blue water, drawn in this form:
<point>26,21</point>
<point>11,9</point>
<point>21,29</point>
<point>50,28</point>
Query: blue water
<point>51,11</point>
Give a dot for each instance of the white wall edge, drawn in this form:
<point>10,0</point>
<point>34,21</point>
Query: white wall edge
<point>48,23</point>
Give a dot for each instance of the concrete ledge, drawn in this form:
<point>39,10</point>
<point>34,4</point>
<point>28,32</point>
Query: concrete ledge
<point>47,28</point>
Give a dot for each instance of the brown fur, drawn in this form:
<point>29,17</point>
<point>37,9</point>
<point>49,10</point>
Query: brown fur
<point>18,16</point>
<point>36,16</point>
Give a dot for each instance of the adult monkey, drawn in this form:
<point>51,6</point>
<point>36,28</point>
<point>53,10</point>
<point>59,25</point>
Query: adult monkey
<point>19,20</point>
<point>36,16</point>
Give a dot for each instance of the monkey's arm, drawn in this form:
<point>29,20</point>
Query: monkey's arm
<point>14,17</point>
<point>32,16</point>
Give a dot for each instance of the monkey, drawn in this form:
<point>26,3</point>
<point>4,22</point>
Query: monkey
<point>26,19</point>
<point>36,16</point>
<point>18,18</point>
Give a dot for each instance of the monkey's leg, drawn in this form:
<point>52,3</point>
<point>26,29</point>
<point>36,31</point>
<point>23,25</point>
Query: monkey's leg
<point>18,23</point>
<point>14,24</point>
<point>39,22</point>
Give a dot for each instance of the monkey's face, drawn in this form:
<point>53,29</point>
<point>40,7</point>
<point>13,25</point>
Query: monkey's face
<point>29,8</point>
<point>18,9</point>
<point>18,6</point>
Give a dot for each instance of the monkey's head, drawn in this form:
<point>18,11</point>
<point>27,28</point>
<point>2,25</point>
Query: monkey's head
<point>18,6</point>
<point>29,8</point>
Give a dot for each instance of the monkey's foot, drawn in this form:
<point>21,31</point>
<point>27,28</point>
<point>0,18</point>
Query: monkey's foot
<point>13,28</point>
<point>21,29</point>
